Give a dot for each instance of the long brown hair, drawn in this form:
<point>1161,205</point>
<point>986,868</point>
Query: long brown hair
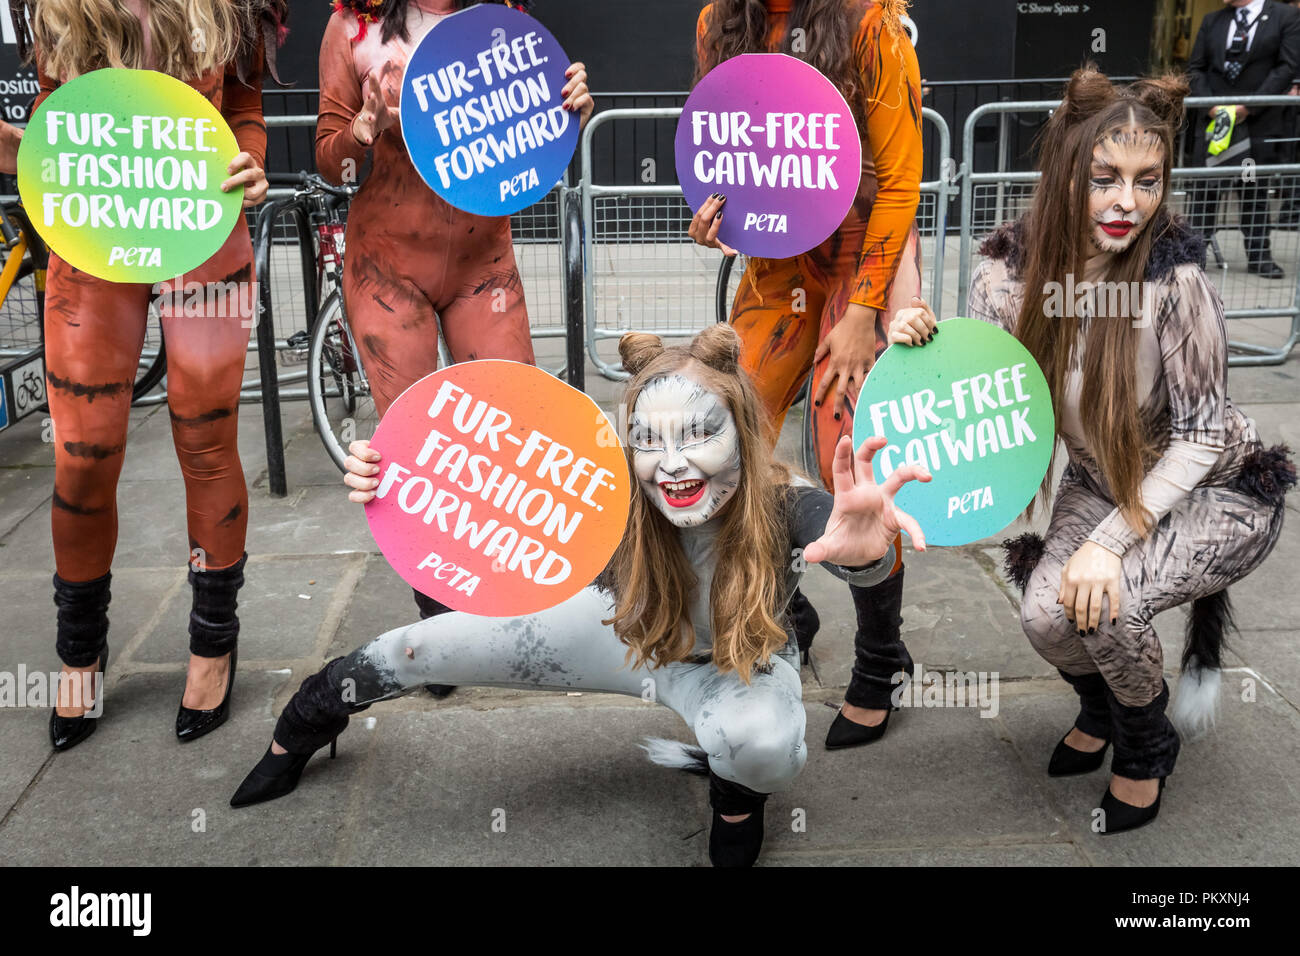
<point>652,579</point>
<point>1093,108</point>
<point>829,27</point>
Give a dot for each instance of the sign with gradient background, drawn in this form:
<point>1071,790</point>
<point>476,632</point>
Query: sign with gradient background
<point>481,110</point>
<point>121,173</point>
<point>973,407</point>
<point>502,490</point>
<point>774,136</point>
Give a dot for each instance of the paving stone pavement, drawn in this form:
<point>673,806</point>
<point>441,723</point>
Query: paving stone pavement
<point>422,781</point>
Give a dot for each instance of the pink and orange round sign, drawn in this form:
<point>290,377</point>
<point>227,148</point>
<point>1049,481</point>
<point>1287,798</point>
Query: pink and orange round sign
<point>502,490</point>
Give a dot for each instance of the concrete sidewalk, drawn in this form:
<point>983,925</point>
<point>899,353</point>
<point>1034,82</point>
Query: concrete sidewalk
<point>420,781</point>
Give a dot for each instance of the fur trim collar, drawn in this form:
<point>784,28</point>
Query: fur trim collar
<point>1175,245</point>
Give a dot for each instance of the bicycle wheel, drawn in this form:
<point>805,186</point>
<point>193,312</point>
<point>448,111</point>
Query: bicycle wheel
<point>153,361</point>
<point>341,406</point>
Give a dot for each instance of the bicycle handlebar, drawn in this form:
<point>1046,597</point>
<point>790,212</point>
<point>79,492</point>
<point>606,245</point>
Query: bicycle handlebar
<point>311,182</point>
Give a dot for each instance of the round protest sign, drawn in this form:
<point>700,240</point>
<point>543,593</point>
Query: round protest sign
<point>481,110</point>
<point>121,173</point>
<point>776,138</point>
<point>502,490</point>
<point>973,407</point>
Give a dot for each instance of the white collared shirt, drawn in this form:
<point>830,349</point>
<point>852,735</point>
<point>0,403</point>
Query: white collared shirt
<point>1252,17</point>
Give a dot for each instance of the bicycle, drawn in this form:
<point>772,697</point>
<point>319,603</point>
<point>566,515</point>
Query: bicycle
<point>338,391</point>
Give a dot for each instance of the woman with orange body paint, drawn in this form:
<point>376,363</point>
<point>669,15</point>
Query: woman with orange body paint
<point>826,313</point>
<point>94,333</point>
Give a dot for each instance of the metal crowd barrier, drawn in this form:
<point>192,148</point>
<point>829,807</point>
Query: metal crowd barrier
<point>644,273</point>
<point>991,198</point>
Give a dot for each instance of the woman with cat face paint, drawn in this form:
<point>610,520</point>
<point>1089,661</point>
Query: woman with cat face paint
<point>413,260</point>
<point>1169,497</point>
<point>709,635</point>
<point>825,313</point>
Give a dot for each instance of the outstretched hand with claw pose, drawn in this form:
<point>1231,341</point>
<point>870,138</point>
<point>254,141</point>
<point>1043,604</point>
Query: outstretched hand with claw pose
<point>864,519</point>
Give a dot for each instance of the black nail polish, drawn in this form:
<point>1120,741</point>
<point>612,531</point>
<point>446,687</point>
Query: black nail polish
<point>1092,630</point>
<point>1081,633</point>
<point>837,416</point>
<point>1113,620</point>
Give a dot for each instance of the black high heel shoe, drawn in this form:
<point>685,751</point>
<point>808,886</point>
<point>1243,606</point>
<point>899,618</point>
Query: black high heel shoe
<point>276,775</point>
<point>67,732</point>
<point>1068,762</point>
<point>847,733</point>
<point>192,724</point>
<point>1121,816</point>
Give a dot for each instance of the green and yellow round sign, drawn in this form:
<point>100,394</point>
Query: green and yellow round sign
<point>121,173</point>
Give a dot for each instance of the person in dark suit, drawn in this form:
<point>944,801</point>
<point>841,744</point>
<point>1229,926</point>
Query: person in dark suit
<point>1250,47</point>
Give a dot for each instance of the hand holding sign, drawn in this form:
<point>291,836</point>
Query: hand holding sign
<point>864,519</point>
<point>973,409</point>
<point>500,491</point>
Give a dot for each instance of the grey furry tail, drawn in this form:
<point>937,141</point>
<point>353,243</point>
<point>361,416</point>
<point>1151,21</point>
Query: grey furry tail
<point>1196,704</point>
<point>677,755</point>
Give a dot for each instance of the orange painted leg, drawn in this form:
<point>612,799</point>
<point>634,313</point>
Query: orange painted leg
<point>94,331</point>
<point>486,317</point>
<point>206,354</point>
<point>776,313</point>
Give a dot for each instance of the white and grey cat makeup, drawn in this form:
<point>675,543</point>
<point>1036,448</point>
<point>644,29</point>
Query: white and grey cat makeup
<point>685,448</point>
<point>1125,187</point>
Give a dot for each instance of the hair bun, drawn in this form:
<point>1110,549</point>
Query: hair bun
<point>718,347</point>
<point>1087,91</point>
<point>638,349</point>
<point>1163,95</point>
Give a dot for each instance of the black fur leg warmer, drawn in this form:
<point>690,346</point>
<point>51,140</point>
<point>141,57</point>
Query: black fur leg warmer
<point>82,619</point>
<point>1094,709</point>
<point>318,712</point>
<point>1146,744</point>
<point>879,654</point>
<point>733,799</point>
<point>214,625</point>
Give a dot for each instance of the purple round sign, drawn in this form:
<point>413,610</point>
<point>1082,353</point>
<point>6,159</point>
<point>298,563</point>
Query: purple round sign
<point>775,137</point>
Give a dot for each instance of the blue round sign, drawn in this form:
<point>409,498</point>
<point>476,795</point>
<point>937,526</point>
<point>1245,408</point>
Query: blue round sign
<point>481,109</point>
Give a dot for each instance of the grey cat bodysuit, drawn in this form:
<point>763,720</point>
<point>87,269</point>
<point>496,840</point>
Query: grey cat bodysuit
<point>752,733</point>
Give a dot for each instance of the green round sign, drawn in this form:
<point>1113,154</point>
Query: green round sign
<point>973,407</point>
<point>121,173</point>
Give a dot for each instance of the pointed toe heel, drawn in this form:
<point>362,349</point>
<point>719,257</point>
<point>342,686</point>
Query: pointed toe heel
<point>192,724</point>
<point>275,776</point>
<point>845,733</point>
<point>1120,817</point>
<point>1068,762</point>
<point>67,732</point>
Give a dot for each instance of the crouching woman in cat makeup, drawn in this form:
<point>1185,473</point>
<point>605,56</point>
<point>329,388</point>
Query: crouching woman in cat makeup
<point>1169,496</point>
<point>693,599</point>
